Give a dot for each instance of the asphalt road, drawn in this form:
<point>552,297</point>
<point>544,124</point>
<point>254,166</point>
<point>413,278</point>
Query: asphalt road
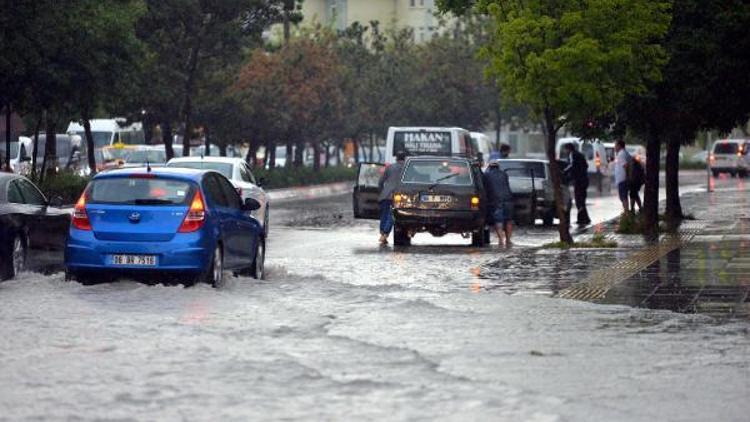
<point>344,329</point>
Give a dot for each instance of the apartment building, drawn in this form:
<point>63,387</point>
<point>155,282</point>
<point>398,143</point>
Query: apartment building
<point>415,14</point>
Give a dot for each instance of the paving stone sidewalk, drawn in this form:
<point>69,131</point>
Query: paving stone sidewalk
<point>704,268</point>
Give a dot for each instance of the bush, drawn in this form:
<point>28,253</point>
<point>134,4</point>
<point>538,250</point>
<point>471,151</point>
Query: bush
<point>65,185</point>
<point>630,223</point>
<point>303,176</point>
<point>598,241</point>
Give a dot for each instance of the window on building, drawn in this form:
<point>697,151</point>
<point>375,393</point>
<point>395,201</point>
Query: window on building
<point>412,3</point>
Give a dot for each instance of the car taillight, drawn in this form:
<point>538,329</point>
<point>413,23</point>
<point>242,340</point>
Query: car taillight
<point>474,202</point>
<point>195,216</point>
<point>80,218</point>
<point>712,158</point>
<point>598,160</point>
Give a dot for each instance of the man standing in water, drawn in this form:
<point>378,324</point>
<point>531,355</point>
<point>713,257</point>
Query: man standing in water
<point>499,201</point>
<point>387,184</point>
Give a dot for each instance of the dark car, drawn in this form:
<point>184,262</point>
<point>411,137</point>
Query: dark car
<point>32,231</point>
<point>438,195</point>
<point>533,192</point>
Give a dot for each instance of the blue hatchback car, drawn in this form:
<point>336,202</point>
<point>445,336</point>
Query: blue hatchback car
<point>186,223</point>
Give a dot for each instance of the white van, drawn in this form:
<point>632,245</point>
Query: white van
<point>730,156</point>
<point>594,151</point>
<point>483,145</point>
<point>20,152</point>
<point>428,141</point>
<point>110,131</point>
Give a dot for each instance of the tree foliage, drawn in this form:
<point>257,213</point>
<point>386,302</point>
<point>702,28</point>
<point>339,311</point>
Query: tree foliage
<point>571,61</point>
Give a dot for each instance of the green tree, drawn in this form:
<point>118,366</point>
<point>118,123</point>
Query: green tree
<point>568,61</point>
<point>704,88</point>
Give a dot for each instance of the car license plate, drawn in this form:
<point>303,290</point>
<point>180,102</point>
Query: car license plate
<point>436,198</point>
<point>138,260</point>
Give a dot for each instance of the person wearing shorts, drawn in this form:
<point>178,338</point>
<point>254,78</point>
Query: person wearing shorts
<point>622,167</point>
<point>499,202</point>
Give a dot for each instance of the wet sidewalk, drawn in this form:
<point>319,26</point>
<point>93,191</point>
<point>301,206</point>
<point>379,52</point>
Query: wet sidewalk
<point>704,268</point>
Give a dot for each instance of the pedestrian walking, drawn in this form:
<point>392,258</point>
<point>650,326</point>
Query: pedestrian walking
<point>635,182</point>
<point>388,182</point>
<point>499,202</point>
<point>504,151</point>
<point>577,171</point>
<point>622,169</point>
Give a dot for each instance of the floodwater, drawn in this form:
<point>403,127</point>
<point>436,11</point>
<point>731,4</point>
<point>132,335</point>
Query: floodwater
<point>344,329</point>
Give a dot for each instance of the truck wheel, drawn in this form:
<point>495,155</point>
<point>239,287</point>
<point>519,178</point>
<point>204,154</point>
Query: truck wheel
<point>715,173</point>
<point>401,236</point>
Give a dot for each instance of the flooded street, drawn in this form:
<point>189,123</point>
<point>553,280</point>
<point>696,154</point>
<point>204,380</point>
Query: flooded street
<point>344,329</point>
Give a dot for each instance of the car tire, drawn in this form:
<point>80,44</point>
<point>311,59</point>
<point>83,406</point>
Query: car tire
<point>265,224</point>
<point>487,239</point>
<point>214,274</point>
<point>15,256</point>
<point>715,173</point>
<point>549,218</point>
<point>401,236</point>
<point>258,269</point>
<point>477,238</point>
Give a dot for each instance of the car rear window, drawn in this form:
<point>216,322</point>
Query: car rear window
<point>443,172</point>
<point>224,168</point>
<point>726,148</point>
<point>523,169</point>
<point>140,191</point>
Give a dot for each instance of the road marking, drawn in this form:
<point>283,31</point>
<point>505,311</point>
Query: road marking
<point>599,282</point>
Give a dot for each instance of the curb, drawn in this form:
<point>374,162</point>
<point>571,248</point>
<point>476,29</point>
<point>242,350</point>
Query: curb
<point>309,192</point>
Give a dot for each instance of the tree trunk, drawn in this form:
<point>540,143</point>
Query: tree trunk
<point>289,154</point>
<point>498,128</point>
<point>674,207</point>
<point>35,147</point>
<point>207,142</point>
<point>252,151</point>
<point>90,157</point>
<point>372,147</point>
<point>8,136</point>
<point>187,107</point>
<point>562,214</point>
<point>299,155</point>
<point>316,156</point>
<point>49,164</point>
<point>338,153</point>
<point>355,143</point>
<point>166,137</point>
<point>271,154</point>
<point>650,215</point>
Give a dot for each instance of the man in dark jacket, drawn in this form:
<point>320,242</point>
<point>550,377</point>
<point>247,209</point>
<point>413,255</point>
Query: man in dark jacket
<point>499,201</point>
<point>388,183</point>
<point>577,171</point>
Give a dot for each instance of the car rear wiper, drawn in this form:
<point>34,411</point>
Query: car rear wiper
<point>437,182</point>
<point>153,201</point>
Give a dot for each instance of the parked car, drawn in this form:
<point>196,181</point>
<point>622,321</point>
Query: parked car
<point>438,195</point>
<point>730,156</point>
<point>139,157</point>
<point>32,229</point>
<point>167,221</point>
<point>239,173</point>
<point>533,192</point>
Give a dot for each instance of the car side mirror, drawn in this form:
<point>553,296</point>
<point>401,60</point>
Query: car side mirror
<point>56,202</point>
<point>250,204</point>
<point>261,182</point>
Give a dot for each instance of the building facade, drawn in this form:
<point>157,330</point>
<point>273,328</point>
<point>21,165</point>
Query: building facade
<point>339,14</point>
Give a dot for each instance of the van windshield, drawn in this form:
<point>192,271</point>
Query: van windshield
<point>422,142</point>
<point>101,139</point>
<point>726,148</point>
